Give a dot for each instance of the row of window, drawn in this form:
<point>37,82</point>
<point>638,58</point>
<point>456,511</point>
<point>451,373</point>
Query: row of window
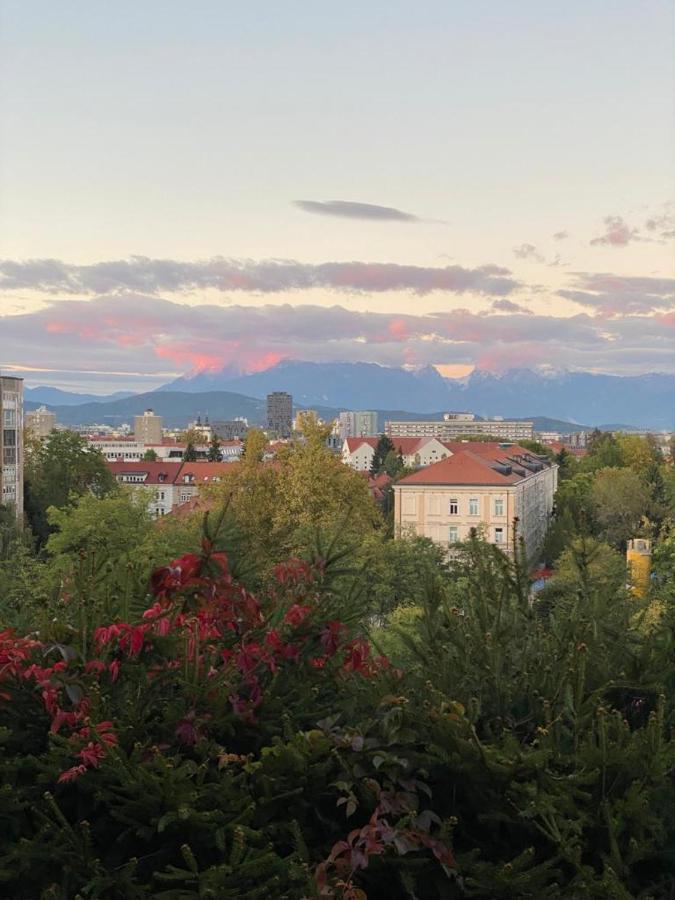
<point>474,506</point>
<point>498,534</point>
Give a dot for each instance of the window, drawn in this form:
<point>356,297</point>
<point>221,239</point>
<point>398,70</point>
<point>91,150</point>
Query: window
<point>454,507</point>
<point>453,534</point>
<point>499,535</point>
<point>473,507</point>
<point>499,506</point>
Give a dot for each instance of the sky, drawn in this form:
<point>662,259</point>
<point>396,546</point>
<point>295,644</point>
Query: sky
<point>461,183</point>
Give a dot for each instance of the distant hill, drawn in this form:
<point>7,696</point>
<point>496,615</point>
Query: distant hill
<point>50,396</point>
<point>176,408</point>
<point>642,401</point>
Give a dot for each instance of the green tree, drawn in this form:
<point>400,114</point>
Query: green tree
<point>150,455</point>
<point>393,464</point>
<point>620,500</point>
<point>215,450</point>
<point>255,444</point>
<point>190,453</point>
<point>63,467</point>
<point>384,446</point>
<point>603,452</point>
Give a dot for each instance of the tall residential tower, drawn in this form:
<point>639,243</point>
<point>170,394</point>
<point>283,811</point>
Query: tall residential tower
<point>280,413</point>
<point>11,443</point>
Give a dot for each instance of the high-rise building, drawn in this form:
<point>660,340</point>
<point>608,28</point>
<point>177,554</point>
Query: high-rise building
<point>148,428</point>
<point>11,443</point>
<point>41,421</point>
<point>280,413</point>
<point>360,423</point>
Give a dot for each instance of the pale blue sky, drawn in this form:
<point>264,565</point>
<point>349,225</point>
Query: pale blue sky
<point>186,130</point>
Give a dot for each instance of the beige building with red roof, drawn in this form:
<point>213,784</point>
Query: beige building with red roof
<point>485,486</point>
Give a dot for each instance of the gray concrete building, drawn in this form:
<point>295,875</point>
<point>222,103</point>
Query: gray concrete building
<point>280,413</point>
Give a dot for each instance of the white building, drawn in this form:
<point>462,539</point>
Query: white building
<point>454,425</point>
<point>358,452</point>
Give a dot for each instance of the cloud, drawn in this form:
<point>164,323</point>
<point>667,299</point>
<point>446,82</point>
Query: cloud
<point>528,251</point>
<point>510,306</point>
<point>663,225</point>
<point>620,295</point>
<point>617,233</point>
<point>349,209</point>
<point>561,235</point>
<point>148,335</point>
<point>154,276</point>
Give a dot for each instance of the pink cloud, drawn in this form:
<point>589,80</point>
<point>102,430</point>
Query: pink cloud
<point>617,233</point>
<point>499,358</point>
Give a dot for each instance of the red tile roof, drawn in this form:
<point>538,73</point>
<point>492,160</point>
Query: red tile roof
<point>161,472</point>
<point>474,463</point>
<point>203,472</point>
<point>406,446</point>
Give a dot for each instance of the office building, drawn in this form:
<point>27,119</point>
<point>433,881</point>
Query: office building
<point>148,428</point>
<point>280,413</point>
<point>11,443</point>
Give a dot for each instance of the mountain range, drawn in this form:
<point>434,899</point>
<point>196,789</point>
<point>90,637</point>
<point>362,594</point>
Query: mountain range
<point>641,401</point>
<point>644,401</point>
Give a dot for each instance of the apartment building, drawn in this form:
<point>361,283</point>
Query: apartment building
<point>168,484</point>
<point>148,428</point>
<point>486,486</point>
<point>356,423</point>
<point>11,443</point>
<point>454,425</point>
<point>41,422</point>
<point>156,479</point>
<point>280,413</point>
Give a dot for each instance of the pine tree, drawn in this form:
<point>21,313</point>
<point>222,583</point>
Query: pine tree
<point>384,446</point>
<point>190,453</point>
<point>215,452</point>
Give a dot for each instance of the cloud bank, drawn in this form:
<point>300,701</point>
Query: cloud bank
<point>147,334</point>
<point>155,276</point>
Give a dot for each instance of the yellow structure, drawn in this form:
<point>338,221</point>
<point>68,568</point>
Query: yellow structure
<point>639,560</point>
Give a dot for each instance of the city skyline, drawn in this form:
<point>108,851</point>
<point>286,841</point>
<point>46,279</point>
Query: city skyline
<point>459,187</point>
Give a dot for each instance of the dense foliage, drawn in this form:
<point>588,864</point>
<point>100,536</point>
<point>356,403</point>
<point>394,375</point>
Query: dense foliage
<point>298,706</point>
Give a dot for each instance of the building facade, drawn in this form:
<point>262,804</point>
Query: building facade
<point>41,422</point>
<point>148,428</point>
<point>168,484</point>
<point>494,488</point>
<point>358,452</point>
<point>356,423</point>
<point>11,443</point>
<point>280,413</point>
<point>452,426</point>
<point>230,429</point>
